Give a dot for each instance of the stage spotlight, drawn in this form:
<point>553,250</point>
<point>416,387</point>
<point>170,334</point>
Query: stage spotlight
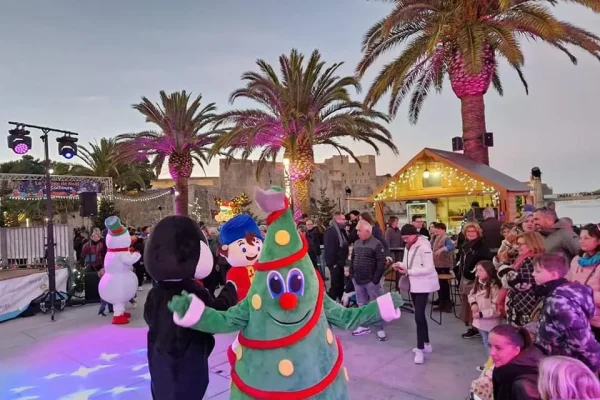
<point>67,146</point>
<point>19,140</point>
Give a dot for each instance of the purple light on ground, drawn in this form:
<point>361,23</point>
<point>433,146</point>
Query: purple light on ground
<point>21,148</point>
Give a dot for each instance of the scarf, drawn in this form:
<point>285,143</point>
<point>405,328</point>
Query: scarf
<point>520,259</point>
<point>337,227</point>
<point>589,261</point>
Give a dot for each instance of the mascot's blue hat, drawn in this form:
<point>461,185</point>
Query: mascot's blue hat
<point>237,227</point>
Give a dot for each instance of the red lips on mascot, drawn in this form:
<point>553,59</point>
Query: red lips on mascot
<point>241,242</point>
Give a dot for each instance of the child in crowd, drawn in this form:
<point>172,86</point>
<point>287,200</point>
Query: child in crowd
<point>564,325</point>
<point>349,296</point>
<point>483,301</point>
<point>566,378</point>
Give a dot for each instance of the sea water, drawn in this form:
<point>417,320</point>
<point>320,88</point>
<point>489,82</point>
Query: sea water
<point>582,212</point>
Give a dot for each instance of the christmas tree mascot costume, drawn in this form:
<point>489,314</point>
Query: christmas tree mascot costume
<point>241,243</point>
<point>287,349</point>
<point>119,283</point>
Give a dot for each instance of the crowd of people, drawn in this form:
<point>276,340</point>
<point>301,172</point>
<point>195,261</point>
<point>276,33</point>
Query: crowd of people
<point>529,288</point>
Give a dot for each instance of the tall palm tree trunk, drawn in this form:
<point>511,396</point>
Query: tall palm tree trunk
<point>180,168</point>
<point>181,200</point>
<point>301,170</point>
<point>472,110</point>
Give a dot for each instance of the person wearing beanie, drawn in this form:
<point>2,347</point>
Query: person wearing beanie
<point>418,267</point>
<point>177,258</point>
<point>287,349</point>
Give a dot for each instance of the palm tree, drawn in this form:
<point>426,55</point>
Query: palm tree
<point>464,39</point>
<point>308,106</point>
<point>105,159</point>
<point>181,139</point>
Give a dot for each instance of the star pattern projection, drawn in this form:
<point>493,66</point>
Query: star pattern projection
<point>65,380</point>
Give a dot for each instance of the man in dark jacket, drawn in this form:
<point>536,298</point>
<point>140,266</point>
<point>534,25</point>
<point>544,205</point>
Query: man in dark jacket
<point>336,252</point>
<point>492,231</point>
<point>367,265</point>
<point>557,235</point>
<point>314,239</point>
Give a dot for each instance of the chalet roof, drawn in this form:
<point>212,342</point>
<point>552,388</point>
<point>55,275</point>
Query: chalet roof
<point>467,166</point>
<point>484,171</point>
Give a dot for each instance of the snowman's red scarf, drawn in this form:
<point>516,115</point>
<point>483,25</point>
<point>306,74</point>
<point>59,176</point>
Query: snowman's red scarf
<point>118,250</point>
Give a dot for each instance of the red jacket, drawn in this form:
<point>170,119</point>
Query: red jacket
<point>242,278</point>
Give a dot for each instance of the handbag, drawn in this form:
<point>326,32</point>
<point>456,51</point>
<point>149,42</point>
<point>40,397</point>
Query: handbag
<point>404,281</point>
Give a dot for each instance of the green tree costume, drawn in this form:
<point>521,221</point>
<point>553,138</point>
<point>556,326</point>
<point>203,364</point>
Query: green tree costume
<point>287,349</point>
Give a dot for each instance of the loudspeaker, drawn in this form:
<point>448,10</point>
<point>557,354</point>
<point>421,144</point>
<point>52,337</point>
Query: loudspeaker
<point>458,144</point>
<point>488,139</point>
<point>89,204</point>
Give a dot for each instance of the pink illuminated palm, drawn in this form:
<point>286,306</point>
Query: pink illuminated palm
<point>308,106</point>
<point>464,39</point>
<point>184,136</point>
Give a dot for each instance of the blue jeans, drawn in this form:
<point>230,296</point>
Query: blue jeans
<point>484,338</point>
<point>103,307</point>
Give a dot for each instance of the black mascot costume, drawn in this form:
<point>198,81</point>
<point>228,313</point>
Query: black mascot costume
<point>177,258</point>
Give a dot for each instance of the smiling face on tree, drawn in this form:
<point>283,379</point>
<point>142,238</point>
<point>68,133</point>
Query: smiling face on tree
<point>285,289</point>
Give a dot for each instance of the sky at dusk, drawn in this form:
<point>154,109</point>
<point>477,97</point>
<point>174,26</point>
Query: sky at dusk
<point>79,65</point>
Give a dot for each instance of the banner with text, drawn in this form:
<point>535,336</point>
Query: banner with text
<point>36,189</point>
<point>17,293</point>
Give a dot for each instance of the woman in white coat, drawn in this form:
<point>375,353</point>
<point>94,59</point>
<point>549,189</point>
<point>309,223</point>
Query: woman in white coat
<point>417,265</point>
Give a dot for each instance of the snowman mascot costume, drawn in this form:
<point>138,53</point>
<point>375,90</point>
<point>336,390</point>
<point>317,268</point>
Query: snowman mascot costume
<point>119,283</point>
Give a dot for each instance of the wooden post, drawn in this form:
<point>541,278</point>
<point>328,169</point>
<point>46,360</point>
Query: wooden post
<point>379,216</point>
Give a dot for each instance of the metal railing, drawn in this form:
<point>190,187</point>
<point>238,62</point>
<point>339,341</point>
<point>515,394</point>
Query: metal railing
<point>22,247</point>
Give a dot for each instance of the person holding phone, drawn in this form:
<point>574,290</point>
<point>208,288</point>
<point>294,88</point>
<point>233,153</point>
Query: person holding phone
<point>417,265</point>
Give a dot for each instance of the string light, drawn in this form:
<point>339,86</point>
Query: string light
<point>140,199</point>
<point>450,178</point>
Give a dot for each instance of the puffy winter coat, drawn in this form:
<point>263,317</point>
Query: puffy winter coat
<point>418,260</point>
<point>564,326</point>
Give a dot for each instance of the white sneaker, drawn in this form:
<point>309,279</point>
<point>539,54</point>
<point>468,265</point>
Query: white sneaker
<point>428,349</point>
<point>360,331</point>
<point>419,357</point>
<point>381,336</point>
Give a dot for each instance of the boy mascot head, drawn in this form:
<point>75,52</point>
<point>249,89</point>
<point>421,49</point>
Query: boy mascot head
<point>241,244</point>
<point>177,250</point>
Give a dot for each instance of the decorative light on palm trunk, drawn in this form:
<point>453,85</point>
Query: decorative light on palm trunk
<point>286,178</point>
<point>470,89</point>
<point>300,174</point>
<point>180,168</point>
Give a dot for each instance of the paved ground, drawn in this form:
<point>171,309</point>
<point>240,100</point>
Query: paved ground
<point>82,356</point>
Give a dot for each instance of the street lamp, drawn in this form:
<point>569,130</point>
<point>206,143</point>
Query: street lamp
<point>20,143</point>
<point>348,193</point>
